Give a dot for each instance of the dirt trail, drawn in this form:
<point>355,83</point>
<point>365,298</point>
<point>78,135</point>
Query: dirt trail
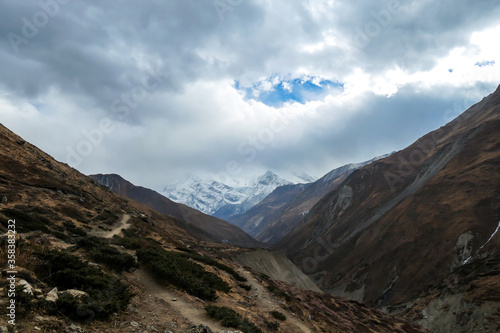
<point>123,224</point>
<point>193,310</point>
<point>267,302</point>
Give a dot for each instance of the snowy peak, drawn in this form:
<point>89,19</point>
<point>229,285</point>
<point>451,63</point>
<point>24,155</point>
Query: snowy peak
<point>221,199</point>
<point>351,166</point>
<point>270,179</point>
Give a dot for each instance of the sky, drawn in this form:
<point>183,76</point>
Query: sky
<point>153,90</point>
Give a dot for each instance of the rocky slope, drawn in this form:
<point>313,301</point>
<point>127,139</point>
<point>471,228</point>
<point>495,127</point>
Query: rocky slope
<point>276,266</point>
<point>76,249</point>
<point>219,229</point>
<point>403,224</point>
<point>280,212</point>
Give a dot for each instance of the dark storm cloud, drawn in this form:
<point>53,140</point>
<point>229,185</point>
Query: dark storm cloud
<point>163,70</point>
<point>101,49</point>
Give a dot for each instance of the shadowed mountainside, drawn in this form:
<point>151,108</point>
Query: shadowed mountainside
<point>281,211</point>
<point>401,225</point>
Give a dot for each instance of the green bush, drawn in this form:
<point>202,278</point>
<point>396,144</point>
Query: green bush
<point>278,315</point>
<point>100,251</point>
<point>272,325</point>
<point>277,291</point>
<point>126,242</point>
<point>107,217</point>
<point>182,272</point>
<point>214,263</point>
<point>25,221</point>
<point>72,228</point>
<point>107,294</point>
<point>229,318</point>
<point>24,301</point>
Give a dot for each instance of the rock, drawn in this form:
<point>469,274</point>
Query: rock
<point>174,299</point>
<point>28,289</point>
<point>52,296</point>
<point>134,324</point>
<point>74,329</point>
<point>36,328</point>
<point>152,328</point>
<point>73,292</point>
<point>200,329</point>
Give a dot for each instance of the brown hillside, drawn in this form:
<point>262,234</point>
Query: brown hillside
<point>402,224</point>
<point>57,209</point>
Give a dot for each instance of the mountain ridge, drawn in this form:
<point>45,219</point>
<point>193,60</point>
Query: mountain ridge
<point>282,210</point>
<point>219,229</point>
<point>396,227</point>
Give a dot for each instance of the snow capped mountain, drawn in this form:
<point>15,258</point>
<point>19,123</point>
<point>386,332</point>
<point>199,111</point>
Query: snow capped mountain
<point>351,166</point>
<point>223,200</point>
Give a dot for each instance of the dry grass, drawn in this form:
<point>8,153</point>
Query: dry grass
<point>25,250</point>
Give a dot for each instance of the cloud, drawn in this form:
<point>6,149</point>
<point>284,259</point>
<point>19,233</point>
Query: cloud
<point>186,86</point>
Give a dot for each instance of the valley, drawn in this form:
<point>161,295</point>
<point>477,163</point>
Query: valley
<point>95,261</point>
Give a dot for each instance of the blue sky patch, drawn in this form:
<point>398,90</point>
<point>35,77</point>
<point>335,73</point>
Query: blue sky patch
<point>276,91</point>
<point>484,63</point>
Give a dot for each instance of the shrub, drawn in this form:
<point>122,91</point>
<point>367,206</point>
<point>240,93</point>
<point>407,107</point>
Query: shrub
<point>212,262</point>
<point>272,325</point>
<point>229,318</point>
<point>126,242</point>
<point>277,291</point>
<point>100,251</point>
<point>25,221</point>
<point>278,315</point>
<point>182,272</point>
<point>107,217</point>
<point>245,286</point>
<point>70,226</point>
<point>107,294</point>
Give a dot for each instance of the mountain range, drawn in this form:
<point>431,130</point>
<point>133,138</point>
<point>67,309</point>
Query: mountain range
<point>280,212</point>
<point>224,199</point>
<point>202,225</point>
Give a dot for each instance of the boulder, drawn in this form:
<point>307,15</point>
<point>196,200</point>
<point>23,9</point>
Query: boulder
<point>28,289</point>
<point>52,296</point>
<point>200,329</point>
<point>73,292</point>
